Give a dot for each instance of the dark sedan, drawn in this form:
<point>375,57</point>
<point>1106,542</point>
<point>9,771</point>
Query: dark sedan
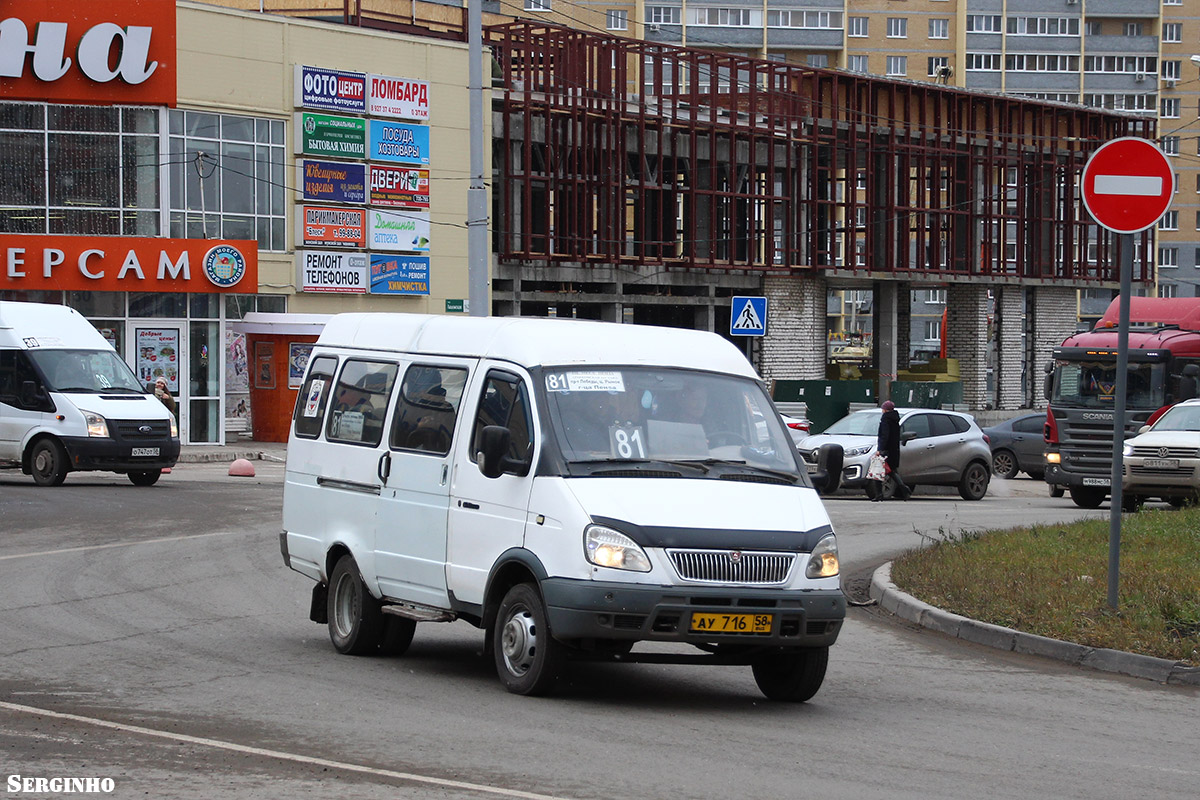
<point>1018,446</point>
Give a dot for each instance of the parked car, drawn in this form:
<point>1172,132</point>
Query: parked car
<point>1163,460</point>
<point>1019,445</point>
<point>937,447</point>
<point>798,427</point>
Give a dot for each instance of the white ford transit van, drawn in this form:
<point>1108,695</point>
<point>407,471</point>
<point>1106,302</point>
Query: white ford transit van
<point>572,488</point>
<point>69,402</point>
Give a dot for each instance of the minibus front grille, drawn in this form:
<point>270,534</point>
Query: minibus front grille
<point>732,566</point>
<point>145,429</point>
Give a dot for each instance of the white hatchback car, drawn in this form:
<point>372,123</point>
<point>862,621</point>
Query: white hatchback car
<point>937,447</point>
<point>1163,460</point>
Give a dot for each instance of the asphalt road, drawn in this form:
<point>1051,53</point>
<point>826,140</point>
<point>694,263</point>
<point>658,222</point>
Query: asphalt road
<point>153,636</point>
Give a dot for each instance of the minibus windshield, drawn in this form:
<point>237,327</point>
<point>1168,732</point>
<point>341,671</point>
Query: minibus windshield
<point>700,419</point>
<point>87,371</point>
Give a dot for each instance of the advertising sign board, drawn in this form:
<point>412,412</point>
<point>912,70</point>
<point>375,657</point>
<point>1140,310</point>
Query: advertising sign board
<point>404,187</point>
<point>399,274</point>
<point>398,97</point>
<point>331,227</point>
<point>332,272</point>
<point>118,51</point>
<point>330,89</point>
<point>399,142</point>
<point>407,231</point>
<point>332,181</point>
<point>326,135</point>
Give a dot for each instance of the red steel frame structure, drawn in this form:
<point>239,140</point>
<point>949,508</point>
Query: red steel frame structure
<point>618,151</point>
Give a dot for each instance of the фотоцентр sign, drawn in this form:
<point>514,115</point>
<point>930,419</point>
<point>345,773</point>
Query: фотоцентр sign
<point>397,97</point>
<point>332,227</point>
<point>405,187</point>
<point>398,141</point>
<point>399,274</point>
<point>332,272</point>
<point>330,89</point>
<point>332,181</point>
<point>407,231</point>
<point>327,135</point>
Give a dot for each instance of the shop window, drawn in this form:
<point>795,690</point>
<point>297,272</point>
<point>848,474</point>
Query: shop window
<point>360,402</point>
<point>237,306</point>
<point>427,409</point>
<point>80,170</point>
<point>227,178</point>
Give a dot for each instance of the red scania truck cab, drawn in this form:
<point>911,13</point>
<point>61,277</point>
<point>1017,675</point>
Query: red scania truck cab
<point>1080,385</point>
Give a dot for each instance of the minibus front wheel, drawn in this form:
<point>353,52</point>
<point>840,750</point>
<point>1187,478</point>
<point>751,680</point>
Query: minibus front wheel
<point>792,675</point>
<point>48,462</point>
<point>355,618</point>
<point>528,660</point>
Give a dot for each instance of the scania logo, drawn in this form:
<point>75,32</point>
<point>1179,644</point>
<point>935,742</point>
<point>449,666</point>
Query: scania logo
<point>144,429</point>
<point>1095,415</point>
<point>735,556</point>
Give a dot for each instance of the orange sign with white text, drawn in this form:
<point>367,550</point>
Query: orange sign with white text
<point>127,264</point>
<point>118,51</point>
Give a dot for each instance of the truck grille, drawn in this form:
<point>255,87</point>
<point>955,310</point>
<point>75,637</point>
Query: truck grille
<point>732,566</point>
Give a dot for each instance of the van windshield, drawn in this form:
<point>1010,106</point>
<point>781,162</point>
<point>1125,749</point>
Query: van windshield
<point>90,371</point>
<point>690,418</point>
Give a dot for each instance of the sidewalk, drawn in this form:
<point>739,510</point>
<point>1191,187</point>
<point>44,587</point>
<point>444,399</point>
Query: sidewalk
<point>249,450</point>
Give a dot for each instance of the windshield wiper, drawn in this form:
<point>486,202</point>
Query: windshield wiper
<point>693,464</point>
<point>88,389</point>
<point>118,389</point>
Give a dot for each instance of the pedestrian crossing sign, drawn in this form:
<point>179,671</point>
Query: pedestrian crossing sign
<point>748,316</point>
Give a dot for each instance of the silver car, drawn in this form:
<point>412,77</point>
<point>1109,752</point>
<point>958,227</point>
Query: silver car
<point>936,447</point>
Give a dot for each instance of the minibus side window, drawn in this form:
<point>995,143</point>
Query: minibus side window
<point>359,402</point>
<point>15,370</point>
<point>427,409</point>
<point>505,402</point>
<point>313,396</point>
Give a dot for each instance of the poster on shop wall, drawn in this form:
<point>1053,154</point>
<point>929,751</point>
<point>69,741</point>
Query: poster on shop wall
<point>158,356</point>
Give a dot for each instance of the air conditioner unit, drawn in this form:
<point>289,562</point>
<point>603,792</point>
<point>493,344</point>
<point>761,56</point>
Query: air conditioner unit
<point>1141,76</point>
<point>1170,83</point>
<point>653,27</point>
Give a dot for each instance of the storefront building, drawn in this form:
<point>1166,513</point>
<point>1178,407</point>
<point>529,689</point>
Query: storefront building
<point>168,167</point>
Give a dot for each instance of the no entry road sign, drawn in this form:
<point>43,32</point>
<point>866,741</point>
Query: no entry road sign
<point>1127,185</point>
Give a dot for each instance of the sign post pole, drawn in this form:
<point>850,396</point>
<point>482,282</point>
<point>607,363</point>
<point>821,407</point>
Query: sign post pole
<point>1118,450</point>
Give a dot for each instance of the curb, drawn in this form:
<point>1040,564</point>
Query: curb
<point>905,606</point>
<point>227,456</point>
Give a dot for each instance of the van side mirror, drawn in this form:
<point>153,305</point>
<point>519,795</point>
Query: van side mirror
<point>493,448</point>
<point>828,477</point>
<point>1048,381</point>
<point>33,398</point>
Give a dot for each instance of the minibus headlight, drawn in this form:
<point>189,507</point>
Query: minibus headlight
<point>605,547</point>
<point>96,424</point>
<point>823,562</point>
<point>174,428</point>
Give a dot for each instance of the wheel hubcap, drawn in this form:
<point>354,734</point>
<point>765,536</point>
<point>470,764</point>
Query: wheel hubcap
<point>518,642</point>
<point>345,607</point>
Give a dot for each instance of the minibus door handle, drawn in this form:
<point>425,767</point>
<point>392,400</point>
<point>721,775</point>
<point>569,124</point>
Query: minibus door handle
<point>385,467</point>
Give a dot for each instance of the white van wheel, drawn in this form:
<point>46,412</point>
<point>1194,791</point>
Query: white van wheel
<point>355,621</point>
<point>145,477</point>
<point>48,463</point>
<point>792,676</point>
<point>528,660</point>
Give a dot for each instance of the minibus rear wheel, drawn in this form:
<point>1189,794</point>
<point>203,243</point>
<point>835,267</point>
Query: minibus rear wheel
<point>528,660</point>
<point>355,618</point>
<point>792,675</point>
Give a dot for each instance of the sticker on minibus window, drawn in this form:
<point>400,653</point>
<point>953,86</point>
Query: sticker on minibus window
<point>584,382</point>
<point>313,402</point>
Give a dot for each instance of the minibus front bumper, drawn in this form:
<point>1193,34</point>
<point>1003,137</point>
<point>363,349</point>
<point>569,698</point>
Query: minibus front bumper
<point>630,612</point>
<point>101,453</point>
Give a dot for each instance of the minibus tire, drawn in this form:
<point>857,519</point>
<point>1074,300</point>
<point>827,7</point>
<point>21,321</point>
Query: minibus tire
<point>355,618</point>
<point>528,660</point>
<point>397,635</point>
<point>48,463</point>
<point>793,675</point>
<point>145,477</point>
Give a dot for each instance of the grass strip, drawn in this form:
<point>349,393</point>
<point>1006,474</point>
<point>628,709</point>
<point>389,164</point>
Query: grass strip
<point>1052,580</point>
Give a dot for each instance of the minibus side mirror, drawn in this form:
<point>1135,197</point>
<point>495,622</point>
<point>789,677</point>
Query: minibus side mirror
<point>32,398</point>
<point>493,449</point>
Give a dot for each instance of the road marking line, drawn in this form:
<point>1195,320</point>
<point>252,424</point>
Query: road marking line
<point>259,751</point>
<point>1133,185</point>
<point>86,548</point>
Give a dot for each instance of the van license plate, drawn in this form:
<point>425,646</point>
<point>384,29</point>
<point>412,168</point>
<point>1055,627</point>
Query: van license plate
<point>144,451</point>
<point>731,623</point>
<point>1161,463</point>
<point>1095,481</point>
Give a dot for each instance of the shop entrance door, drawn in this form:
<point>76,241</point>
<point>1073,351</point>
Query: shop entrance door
<point>160,351</point>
